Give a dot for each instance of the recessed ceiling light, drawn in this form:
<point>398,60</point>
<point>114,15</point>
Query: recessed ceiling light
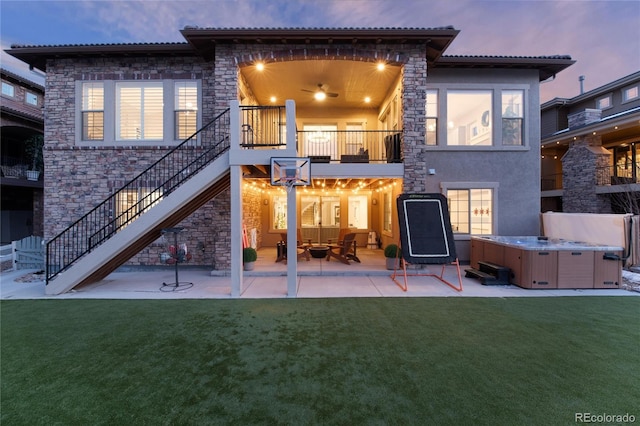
<point>380,66</point>
<point>260,66</point>
<point>367,99</point>
<point>273,99</point>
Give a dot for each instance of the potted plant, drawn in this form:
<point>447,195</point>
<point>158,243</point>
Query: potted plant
<point>249,257</point>
<point>392,253</point>
<point>33,148</point>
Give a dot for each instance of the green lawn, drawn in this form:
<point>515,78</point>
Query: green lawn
<point>407,361</point>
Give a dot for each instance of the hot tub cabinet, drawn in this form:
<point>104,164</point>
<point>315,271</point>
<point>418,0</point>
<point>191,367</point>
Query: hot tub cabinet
<point>553,263</point>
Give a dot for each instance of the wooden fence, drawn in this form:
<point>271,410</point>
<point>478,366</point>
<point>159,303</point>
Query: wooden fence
<point>28,253</point>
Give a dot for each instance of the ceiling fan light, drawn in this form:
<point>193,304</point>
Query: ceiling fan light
<point>320,95</point>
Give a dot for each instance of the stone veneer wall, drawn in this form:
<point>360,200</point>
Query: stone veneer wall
<point>38,212</point>
<point>414,76</point>
<point>79,178</point>
<point>252,212</point>
<point>582,169</point>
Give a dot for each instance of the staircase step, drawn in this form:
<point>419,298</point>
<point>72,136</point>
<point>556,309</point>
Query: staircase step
<point>502,273</point>
<point>485,278</point>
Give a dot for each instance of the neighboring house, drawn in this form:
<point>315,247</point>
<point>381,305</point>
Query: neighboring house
<point>398,116</point>
<point>591,150</point>
<point>21,120</point>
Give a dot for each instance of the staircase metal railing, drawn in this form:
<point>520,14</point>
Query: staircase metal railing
<point>138,195</point>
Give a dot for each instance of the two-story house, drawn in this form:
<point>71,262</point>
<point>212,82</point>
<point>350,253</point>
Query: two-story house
<point>21,129</point>
<point>143,137</point>
<point>590,150</point>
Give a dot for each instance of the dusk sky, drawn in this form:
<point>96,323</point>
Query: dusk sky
<point>602,36</point>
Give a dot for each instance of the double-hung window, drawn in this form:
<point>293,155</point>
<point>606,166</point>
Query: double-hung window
<point>432,118</point>
<point>139,107</point>
<point>93,111</point>
<point>132,202</point>
<point>186,109</point>
<point>512,117</point>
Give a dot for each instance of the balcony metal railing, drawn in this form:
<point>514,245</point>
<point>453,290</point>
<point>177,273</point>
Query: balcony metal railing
<point>620,175</point>
<point>351,146</point>
<point>604,176</point>
<point>145,190</point>
<point>263,127</point>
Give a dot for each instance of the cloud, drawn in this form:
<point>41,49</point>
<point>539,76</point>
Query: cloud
<point>603,36</point>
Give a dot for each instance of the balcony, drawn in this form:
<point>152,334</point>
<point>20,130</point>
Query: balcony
<point>264,128</point>
<point>616,177</point>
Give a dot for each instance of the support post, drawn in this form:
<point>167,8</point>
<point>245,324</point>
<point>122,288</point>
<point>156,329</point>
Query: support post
<point>236,231</point>
<point>292,211</point>
<point>292,244</point>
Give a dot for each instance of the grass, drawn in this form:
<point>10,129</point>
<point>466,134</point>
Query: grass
<point>319,361</point>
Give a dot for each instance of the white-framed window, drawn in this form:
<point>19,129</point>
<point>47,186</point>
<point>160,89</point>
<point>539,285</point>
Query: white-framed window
<point>630,93</point>
<point>139,107</point>
<point>142,113</point>
<point>8,89</point>
<point>387,207</point>
<point>604,102</point>
<point>186,108</point>
<point>358,206</point>
<point>512,117</point>
<point>472,207</point>
<point>469,113</point>
<point>131,202</point>
<point>279,203</point>
<point>92,111</point>
<point>432,118</point>
<point>31,98</point>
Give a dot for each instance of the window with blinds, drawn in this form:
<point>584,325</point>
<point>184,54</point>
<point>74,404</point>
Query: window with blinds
<point>186,109</point>
<point>92,111</point>
<point>132,202</point>
<point>139,107</point>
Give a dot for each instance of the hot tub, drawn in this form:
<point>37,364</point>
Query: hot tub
<point>537,262</point>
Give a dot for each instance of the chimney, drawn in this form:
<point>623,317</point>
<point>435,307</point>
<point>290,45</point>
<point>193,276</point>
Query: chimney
<point>581,80</point>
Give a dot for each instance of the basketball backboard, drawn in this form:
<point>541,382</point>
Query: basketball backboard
<point>290,171</point>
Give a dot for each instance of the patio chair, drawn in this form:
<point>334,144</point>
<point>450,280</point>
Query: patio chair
<point>345,251</point>
<point>340,239</point>
<point>282,247</point>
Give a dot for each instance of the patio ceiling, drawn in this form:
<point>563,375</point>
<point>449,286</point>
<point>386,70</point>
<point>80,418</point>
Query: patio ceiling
<point>351,80</point>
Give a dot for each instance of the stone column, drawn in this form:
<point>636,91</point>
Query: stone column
<point>585,166</point>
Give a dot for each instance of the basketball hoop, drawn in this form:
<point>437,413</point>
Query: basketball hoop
<point>289,183</point>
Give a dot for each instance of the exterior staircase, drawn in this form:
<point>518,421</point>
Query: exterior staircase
<point>101,241</point>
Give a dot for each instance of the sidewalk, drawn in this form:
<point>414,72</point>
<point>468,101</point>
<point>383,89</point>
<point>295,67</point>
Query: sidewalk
<point>149,285</point>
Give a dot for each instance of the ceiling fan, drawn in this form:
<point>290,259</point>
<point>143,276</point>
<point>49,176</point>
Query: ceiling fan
<point>320,93</point>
